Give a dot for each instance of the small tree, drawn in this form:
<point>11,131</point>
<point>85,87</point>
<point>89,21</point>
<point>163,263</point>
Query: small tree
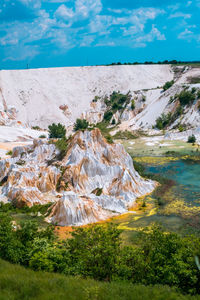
<point>57,131</point>
<point>167,85</point>
<point>186,97</point>
<point>132,104</point>
<point>191,139</point>
<point>81,124</point>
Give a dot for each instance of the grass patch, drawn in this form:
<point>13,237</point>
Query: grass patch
<point>124,135</point>
<point>18,283</point>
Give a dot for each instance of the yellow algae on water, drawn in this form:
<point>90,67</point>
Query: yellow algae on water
<point>181,208</point>
<point>152,212</point>
<point>155,160</point>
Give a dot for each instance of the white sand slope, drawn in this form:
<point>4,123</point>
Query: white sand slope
<point>39,95</point>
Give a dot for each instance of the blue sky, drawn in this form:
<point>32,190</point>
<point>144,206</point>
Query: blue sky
<point>50,33</point>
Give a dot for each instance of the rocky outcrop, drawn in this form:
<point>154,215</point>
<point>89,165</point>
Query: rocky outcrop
<point>97,179</point>
<point>27,176</point>
<point>101,181</point>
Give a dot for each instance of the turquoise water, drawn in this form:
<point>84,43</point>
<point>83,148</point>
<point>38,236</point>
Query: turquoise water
<point>185,174</point>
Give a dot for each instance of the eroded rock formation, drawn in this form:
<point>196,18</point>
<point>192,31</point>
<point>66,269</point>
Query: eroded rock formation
<point>95,179</point>
<point>102,179</point>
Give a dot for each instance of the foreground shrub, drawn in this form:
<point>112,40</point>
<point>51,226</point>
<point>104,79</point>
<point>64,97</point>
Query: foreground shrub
<point>96,251</point>
<point>57,131</point>
<point>19,283</point>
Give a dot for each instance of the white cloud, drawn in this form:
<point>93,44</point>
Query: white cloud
<point>85,7</point>
<point>64,12</point>
<point>189,3</point>
<point>180,15</point>
<point>189,35</point>
<point>154,34</point>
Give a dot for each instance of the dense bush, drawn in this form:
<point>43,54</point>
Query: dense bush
<point>81,124</point>
<point>116,102</point>
<point>57,131</point>
<point>96,252</point>
<point>168,84</point>
<point>108,116</point>
<point>167,119</point>
<point>191,139</point>
<point>186,97</point>
<point>163,121</point>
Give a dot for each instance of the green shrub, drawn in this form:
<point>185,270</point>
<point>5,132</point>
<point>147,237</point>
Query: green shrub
<point>108,116</point>
<point>9,152</point>
<point>62,146</point>
<point>168,84</point>
<point>42,136</point>
<point>36,128</point>
<point>163,121</point>
<point>97,252</point>
<point>19,283</point>
<point>186,97</point>
<point>193,90</point>
<point>57,131</point>
<point>191,139</point>
<point>180,128</point>
<point>133,104</point>
<point>81,124</point>
<point>124,135</point>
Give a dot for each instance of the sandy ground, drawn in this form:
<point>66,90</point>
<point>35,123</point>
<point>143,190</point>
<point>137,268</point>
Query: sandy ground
<point>11,137</point>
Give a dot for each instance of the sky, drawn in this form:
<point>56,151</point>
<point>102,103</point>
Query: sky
<point>56,33</point>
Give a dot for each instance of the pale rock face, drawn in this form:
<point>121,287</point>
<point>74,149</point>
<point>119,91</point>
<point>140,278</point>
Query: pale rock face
<point>92,164</point>
<point>29,176</point>
<point>98,179</point>
<point>75,209</point>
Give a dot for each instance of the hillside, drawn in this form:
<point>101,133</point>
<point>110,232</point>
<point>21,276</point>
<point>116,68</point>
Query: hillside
<point>18,283</point>
<point>41,96</point>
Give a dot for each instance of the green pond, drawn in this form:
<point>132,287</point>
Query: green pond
<point>186,177</point>
<point>179,210</point>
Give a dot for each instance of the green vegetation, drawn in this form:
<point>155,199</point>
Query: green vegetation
<point>18,283</point>
<point>42,136</point>
<point>186,97</point>
<point>124,135</point>
<point>155,257</point>
<point>57,131</point>
<point>108,116</point>
<point>163,121</point>
<point>167,119</point>
<point>194,80</point>
<point>9,152</point>
<point>192,139</point>
<point>9,208</point>
<point>105,131</point>
<point>116,102</point>
<point>168,84</point>
<point>36,128</point>
<point>62,146</point>
<point>81,124</point>
<point>133,104</point>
